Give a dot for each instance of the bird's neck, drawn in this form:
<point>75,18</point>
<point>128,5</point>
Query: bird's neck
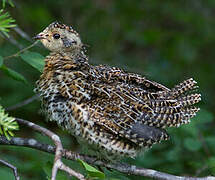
<point>75,54</point>
<point>61,60</point>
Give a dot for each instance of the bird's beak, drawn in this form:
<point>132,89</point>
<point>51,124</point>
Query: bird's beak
<point>39,36</point>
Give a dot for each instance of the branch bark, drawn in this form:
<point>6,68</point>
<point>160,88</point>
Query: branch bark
<point>12,167</point>
<point>23,103</point>
<point>58,164</point>
<point>22,33</point>
<point>21,51</point>
<point>121,167</point>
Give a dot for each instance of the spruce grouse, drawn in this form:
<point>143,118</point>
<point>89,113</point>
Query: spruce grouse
<point>113,112</point>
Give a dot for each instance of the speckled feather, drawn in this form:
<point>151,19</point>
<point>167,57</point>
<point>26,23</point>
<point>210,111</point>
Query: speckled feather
<point>115,112</point>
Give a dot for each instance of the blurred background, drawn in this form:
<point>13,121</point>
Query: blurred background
<point>166,41</point>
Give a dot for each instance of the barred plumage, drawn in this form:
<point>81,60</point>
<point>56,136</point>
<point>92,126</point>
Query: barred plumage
<point>113,111</point>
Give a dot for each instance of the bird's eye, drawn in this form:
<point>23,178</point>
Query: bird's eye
<point>56,36</point>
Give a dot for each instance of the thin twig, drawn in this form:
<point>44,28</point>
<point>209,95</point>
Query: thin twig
<point>23,34</point>
<point>58,164</point>
<point>124,168</point>
<point>12,40</point>
<point>23,103</point>
<point>12,167</point>
<point>21,51</point>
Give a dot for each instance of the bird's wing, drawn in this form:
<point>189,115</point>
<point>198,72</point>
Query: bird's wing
<point>138,109</point>
<point>125,118</point>
<point>111,74</point>
<point>129,105</point>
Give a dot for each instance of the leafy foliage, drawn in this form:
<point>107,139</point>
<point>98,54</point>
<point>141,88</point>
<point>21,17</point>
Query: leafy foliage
<point>13,74</point>
<point>6,22</point>
<point>7,1</point>
<point>7,124</point>
<point>36,60</point>
<point>166,42</point>
<point>92,172</point>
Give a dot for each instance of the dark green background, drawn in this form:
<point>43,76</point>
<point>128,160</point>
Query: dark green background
<point>166,41</point>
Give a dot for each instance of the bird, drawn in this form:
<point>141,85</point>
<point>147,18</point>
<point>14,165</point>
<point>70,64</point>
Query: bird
<point>112,113</point>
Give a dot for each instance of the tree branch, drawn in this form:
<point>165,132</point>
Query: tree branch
<point>12,40</point>
<point>124,168</point>
<point>12,167</point>
<point>58,164</point>
<point>22,33</point>
<point>21,51</point>
<point>23,103</point>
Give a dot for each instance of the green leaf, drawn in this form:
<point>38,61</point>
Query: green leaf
<point>6,134</point>
<point>11,3</point>
<point>48,169</point>
<point>192,144</point>
<point>7,124</point>
<point>6,22</point>
<point>36,60</point>
<point>93,172</point>
<point>3,3</point>
<point>1,132</point>
<point>1,61</point>
<point>5,174</point>
<point>13,74</point>
<point>11,133</point>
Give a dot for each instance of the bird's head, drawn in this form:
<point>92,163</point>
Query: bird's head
<point>58,37</point>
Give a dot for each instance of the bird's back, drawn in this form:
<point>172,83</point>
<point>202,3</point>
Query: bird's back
<point>117,112</point>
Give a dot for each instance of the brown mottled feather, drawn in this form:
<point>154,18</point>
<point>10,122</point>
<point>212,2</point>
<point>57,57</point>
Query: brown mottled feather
<point>115,112</point>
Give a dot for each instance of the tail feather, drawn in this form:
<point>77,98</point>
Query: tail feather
<point>189,99</point>
<point>176,107</point>
<point>171,120</point>
<point>172,110</point>
<point>183,87</point>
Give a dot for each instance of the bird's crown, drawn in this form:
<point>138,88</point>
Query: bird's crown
<point>59,37</point>
<point>62,26</point>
